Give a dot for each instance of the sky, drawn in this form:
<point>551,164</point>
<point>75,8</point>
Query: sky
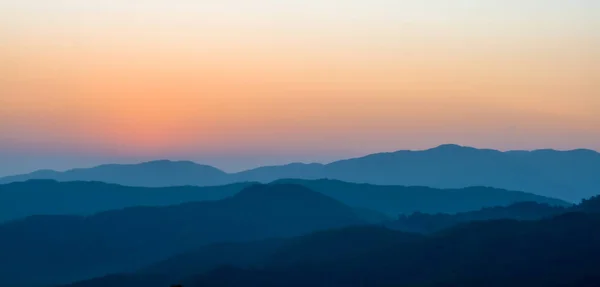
<point>239,84</point>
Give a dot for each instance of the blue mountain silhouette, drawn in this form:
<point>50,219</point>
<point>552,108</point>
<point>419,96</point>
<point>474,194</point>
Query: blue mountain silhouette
<point>568,175</point>
<point>62,248</point>
<point>21,199</point>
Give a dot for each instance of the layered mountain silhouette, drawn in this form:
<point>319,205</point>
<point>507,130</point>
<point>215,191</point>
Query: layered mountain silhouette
<point>328,245</point>
<point>48,197</point>
<point>562,234</point>
<point>561,251</point>
<point>448,216</point>
<point>395,200</point>
<point>568,175</point>
<point>160,173</point>
<point>46,250</point>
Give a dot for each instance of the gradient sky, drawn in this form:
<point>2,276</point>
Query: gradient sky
<point>238,83</point>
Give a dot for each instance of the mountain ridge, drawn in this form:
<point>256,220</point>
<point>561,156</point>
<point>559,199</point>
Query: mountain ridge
<point>21,199</point>
<point>133,237</point>
<point>523,253</point>
<point>569,175</point>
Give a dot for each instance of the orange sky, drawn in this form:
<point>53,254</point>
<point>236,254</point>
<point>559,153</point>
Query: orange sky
<point>317,78</point>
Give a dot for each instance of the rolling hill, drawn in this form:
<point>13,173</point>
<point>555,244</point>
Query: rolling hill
<point>60,249</point>
<point>47,197</point>
<point>554,252</point>
<point>497,243</point>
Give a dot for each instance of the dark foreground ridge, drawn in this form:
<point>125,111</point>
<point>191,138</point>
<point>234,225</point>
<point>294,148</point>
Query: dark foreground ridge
<point>558,250</point>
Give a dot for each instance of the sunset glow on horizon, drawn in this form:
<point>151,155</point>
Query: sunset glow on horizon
<point>278,81</point>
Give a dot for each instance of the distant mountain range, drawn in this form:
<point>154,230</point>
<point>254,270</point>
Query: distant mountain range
<point>160,173</point>
<point>568,175</point>
<point>54,249</point>
<point>48,197</point>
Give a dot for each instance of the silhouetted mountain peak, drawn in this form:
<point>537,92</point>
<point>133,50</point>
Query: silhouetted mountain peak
<point>168,164</point>
<point>585,151</point>
<point>151,174</point>
<point>159,162</point>
<point>546,151</point>
<point>454,148</point>
<point>44,171</point>
<point>291,199</point>
<point>450,147</point>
